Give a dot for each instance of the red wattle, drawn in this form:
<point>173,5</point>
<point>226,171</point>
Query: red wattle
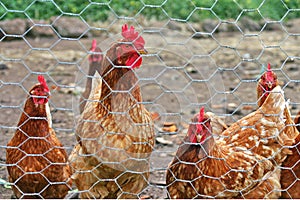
<point>134,61</point>
<point>40,100</point>
<point>193,138</point>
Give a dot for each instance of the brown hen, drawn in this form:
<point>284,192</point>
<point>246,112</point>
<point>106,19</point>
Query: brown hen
<point>37,161</point>
<point>239,163</point>
<point>290,169</point>
<point>115,131</point>
<point>95,60</point>
<point>266,84</point>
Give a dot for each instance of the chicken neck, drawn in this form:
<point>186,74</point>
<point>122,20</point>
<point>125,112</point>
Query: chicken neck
<point>35,119</point>
<point>118,82</point>
<point>200,150</point>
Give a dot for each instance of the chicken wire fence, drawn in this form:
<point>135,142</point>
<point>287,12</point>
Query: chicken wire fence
<point>214,63</point>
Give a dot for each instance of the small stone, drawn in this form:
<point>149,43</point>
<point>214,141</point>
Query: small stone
<point>247,56</point>
<point>161,140</point>
<point>191,70</point>
<point>163,155</point>
<point>169,127</point>
<point>232,105</point>
<point>293,68</point>
<point>3,67</point>
<point>145,196</point>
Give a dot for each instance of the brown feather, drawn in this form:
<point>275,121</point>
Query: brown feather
<point>291,169</point>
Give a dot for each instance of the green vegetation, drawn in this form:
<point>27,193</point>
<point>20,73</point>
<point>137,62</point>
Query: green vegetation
<point>190,10</point>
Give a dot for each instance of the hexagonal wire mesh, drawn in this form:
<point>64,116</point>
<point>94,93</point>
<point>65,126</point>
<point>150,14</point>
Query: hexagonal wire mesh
<point>214,63</point>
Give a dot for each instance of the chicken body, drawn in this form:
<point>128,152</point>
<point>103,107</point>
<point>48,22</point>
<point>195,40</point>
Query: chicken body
<point>239,163</point>
<point>290,169</point>
<point>37,161</point>
<point>115,133</point>
<point>267,82</point>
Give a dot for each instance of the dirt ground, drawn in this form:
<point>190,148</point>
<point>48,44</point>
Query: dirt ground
<point>178,76</point>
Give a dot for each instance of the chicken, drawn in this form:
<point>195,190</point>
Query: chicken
<point>266,84</point>
<point>36,161</point>
<point>115,132</point>
<point>290,169</point>
<point>95,60</point>
<point>240,163</point>
<point>290,173</point>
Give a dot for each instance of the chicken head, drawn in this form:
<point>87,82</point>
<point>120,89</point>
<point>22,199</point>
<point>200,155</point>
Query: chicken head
<point>40,92</point>
<point>130,48</point>
<point>96,53</point>
<point>200,129</point>
<point>268,80</point>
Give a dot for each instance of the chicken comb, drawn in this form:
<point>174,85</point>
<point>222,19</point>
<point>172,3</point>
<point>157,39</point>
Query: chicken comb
<point>133,36</point>
<point>200,119</point>
<point>94,45</point>
<point>269,67</point>
<point>94,48</point>
<point>269,75</point>
<point>201,114</point>
<point>43,83</point>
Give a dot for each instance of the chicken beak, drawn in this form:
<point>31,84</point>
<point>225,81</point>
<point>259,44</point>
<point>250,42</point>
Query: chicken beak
<point>142,51</point>
<point>269,84</point>
<point>199,137</point>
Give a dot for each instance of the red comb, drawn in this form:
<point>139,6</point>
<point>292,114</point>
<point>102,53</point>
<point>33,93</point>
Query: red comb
<point>201,116</point>
<point>200,119</point>
<point>133,36</point>
<point>94,48</point>
<point>269,67</point>
<point>43,83</point>
<point>269,75</point>
<point>94,45</point>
